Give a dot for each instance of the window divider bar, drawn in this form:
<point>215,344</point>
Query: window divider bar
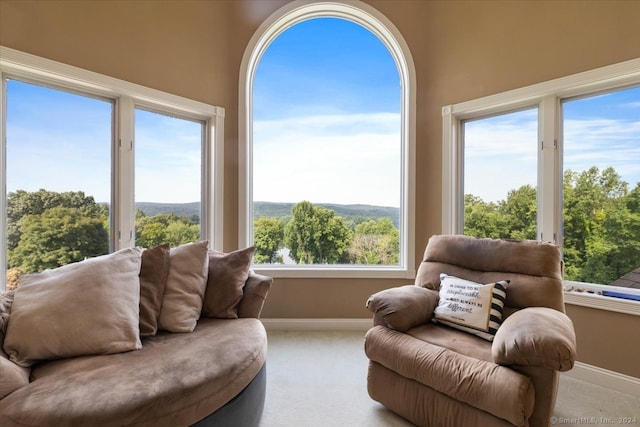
<point>547,168</point>
<point>123,199</point>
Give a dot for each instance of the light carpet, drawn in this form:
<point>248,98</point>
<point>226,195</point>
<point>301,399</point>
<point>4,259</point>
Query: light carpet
<point>319,379</point>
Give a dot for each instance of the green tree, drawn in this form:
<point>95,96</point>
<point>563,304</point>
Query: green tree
<point>58,236</point>
<point>482,219</point>
<point>601,235</point>
<point>22,203</point>
<point>182,231</point>
<point>165,228</point>
<point>518,213</point>
<point>601,226</point>
<point>315,235</point>
<point>375,242</point>
<point>268,238</point>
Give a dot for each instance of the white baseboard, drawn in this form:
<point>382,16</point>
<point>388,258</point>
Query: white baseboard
<point>360,325</point>
<point>605,378</point>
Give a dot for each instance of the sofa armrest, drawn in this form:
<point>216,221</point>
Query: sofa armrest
<point>255,293</point>
<point>536,336</point>
<point>403,307</point>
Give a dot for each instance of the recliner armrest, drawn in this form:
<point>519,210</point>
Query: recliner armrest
<point>403,307</point>
<point>536,336</point>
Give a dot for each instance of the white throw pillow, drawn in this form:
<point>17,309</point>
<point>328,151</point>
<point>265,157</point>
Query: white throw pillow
<point>471,307</point>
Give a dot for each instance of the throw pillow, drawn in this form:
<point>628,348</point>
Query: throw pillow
<point>186,283</point>
<point>153,280</point>
<point>228,273</point>
<point>88,307</point>
<point>6,299</point>
<point>471,307</point>
<point>12,376</point>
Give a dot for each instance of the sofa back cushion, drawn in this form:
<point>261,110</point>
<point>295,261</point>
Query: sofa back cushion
<point>88,307</point>
<point>533,268</point>
<point>153,280</point>
<point>186,284</point>
<point>228,273</point>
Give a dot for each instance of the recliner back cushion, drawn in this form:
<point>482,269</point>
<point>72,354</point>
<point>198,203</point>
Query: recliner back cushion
<point>534,268</point>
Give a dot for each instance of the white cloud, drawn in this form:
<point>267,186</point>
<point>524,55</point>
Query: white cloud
<point>337,159</point>
<point>501,155</point>
<point>603,143</point>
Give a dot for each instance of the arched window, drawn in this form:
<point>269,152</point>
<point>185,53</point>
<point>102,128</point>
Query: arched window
<point>327,100</point>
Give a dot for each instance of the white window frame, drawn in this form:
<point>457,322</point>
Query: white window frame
<point>371,19</point>
<point>547,98</point>
<point>126,96</point>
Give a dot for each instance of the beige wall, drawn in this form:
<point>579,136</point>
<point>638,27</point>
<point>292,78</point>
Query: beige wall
<point>462,50</point>
<point>607,339</point>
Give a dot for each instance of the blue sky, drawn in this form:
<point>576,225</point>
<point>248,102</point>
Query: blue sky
<point>327,117</point>
<point>70,148</point>
<point>326,129</point>
<point>603,131</point>
<point>57,141</point>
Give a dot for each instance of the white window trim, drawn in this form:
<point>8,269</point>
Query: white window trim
<point>546,96</point>
<point>127,96</point>
<point>383,28</point>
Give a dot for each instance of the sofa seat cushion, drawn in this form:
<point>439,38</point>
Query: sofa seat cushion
<point>495,389</point>
<point>175,379</point>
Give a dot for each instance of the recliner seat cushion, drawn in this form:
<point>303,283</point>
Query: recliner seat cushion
<point>453,339</point>
<point>495,389</point>
<point>175,379</point>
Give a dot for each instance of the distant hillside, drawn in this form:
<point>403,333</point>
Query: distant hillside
<point>276,210</point>
<point>180,209</point>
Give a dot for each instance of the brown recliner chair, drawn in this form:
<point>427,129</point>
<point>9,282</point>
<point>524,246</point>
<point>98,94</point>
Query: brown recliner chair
<point>434,374</point>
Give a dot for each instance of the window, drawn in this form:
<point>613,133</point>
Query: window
<point>168,207</point>
<point>326,168</point>
<point>601,188</point>
<point>500,168</point>
<point>586,173</point>
<point>69,139</point>
<point>58,177</point>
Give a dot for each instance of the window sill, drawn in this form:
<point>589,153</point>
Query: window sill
<point>590,295</point>
<point>335,272</point>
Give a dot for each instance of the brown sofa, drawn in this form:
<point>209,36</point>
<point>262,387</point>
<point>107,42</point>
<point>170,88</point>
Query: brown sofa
<point>214,375</point>
<point>438,374</point>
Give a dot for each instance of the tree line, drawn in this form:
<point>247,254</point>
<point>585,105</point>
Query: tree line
<point>316,235</point>
<point>47,229</point>
<point>601,216</point>
<point>601,232</point>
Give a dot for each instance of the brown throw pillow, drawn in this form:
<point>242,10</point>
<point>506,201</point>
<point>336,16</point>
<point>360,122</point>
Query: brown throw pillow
<point>186,283</point>
<point>228,273</point>
<point>88,307</point>
<point>153,280</point>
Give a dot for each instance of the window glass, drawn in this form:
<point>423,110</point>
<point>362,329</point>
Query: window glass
<point>500,175</point>
<point>601,191</point>
<point>58,175</point>
<point>327,168</point>
<point>168,183</point>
